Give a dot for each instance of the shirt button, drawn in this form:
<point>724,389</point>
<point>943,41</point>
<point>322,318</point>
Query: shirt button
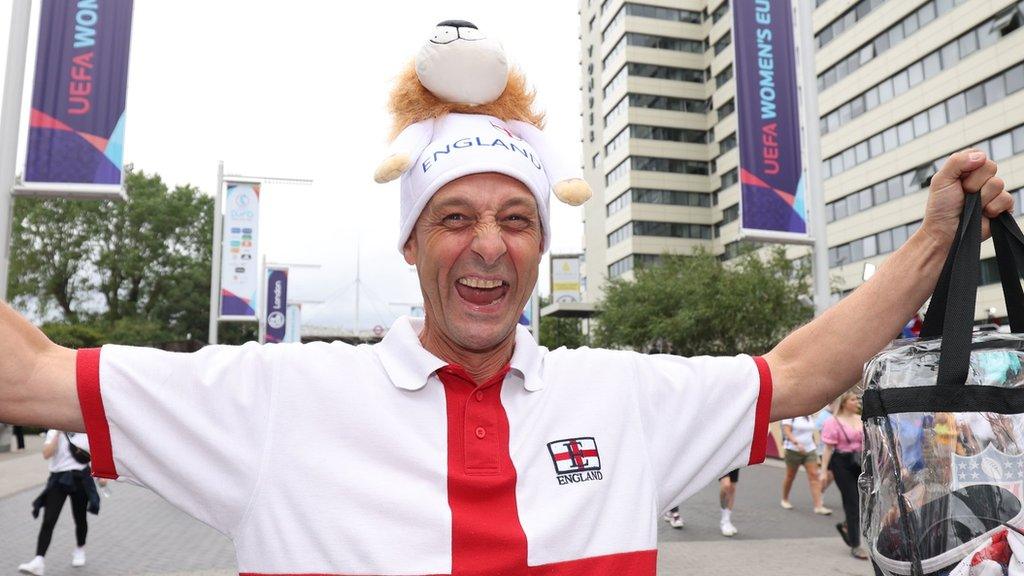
<point>480,432</point>
<point>479,395</point>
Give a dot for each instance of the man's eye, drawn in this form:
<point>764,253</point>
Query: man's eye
<point>455,218</point>
<point>517,219</point>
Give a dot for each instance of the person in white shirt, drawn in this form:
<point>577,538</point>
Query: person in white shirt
<point>69,479</point>
<point>798,443</point>
<point>503,456</point>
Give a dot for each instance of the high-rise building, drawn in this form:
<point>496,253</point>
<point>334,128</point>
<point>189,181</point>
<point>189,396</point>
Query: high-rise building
<point>901,86</point>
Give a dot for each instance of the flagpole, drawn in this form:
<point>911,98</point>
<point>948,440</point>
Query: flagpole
<point>812,141</point>
<point>10,118</point>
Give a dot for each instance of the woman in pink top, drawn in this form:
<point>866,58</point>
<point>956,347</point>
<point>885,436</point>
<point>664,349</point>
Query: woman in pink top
<point>843,436</point>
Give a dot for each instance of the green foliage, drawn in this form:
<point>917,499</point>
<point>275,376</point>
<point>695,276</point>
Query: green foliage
<point>74,335</point>
<point>694,305</point>
<point>558,332</point>
<point>135,272</point>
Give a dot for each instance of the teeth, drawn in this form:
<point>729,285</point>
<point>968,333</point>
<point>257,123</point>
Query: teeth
<point>480,283</point>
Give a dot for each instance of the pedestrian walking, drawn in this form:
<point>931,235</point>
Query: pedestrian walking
<point>673,518</point>
<point>19,437</point>
<point>843,435</point>
<point>727,499</point>
<point>798,443</point>
<point>70,478</point>
<point>819,422</point>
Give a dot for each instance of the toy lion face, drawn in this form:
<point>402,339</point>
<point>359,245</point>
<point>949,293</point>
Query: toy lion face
<point>459,64</point>
<point>460,70</point>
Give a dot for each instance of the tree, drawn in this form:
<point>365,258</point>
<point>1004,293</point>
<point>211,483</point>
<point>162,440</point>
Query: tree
<point>558,332</point>
<point>136,271</point>
<point>695,305</point>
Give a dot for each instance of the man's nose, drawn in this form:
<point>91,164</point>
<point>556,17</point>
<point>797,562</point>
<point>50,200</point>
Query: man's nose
<point>488,243</point>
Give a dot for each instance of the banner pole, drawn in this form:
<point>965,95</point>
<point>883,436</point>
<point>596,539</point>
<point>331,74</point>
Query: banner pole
<point>261,305</point>
<point>218,232</point>
<point>815,182</point>
<point>10,118</point>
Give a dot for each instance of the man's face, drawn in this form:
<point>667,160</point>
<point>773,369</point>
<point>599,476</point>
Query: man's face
<point>476,246</point>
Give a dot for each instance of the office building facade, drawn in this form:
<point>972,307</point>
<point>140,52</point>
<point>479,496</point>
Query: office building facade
<point>901,85</point>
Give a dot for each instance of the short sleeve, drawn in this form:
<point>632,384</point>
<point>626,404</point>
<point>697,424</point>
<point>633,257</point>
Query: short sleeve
<point>701,417</point>
<point>830,432</point>
<point>190,427</point>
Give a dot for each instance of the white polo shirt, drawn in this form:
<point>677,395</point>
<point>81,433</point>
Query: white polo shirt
<point>333,459</point>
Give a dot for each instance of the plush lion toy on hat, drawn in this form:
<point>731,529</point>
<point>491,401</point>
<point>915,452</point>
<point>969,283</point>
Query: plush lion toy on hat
<point>459,70</point>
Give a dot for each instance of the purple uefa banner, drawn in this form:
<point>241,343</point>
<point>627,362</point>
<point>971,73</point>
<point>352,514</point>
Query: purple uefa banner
<point>76,129</point>
<point>277,304</point>
<point>772,202</point>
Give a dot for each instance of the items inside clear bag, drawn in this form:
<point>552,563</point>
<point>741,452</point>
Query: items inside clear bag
<point>937,483</point>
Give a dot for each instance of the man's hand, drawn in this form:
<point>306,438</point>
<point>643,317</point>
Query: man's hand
<point>965,172</point>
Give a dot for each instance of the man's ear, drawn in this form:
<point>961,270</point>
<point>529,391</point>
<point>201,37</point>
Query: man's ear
<point>409,250</point>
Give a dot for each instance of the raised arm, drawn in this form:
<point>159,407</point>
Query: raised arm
<point>37,377</point>
<point>819,361</point>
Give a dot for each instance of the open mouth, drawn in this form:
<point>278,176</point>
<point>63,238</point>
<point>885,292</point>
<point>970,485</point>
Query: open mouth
<point>481,291</point>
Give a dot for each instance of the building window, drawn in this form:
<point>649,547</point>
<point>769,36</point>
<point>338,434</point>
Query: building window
<point>986,93</point>
<point>722,9</point>
<point>723,43</point>
<point>672,165</point>
<point>634,261</point>
<point>660,13</point>
<point>655,196</point>
<point>668,103</point>
<point>726,109</point>
<point>847,19</point>
<point>617,173</point>
<point>617,111</point>
<point>724,76</point>
<point>881,43</point>
<point>727,143</point>
<point>665,72</point>
<point>998,147</point>
<point>687,135</point>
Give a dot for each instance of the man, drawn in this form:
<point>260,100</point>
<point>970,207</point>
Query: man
<point>503,457</point>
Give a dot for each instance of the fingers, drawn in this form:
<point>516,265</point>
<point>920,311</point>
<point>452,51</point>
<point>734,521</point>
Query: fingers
<point>956,166</point>
<point>994,199</point>
<point>977,178</point>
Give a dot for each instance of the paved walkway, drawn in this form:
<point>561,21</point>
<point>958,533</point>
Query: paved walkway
<point>771,540</point>
<point>138,534</point>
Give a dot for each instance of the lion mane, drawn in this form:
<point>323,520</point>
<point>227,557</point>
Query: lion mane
<point>410,102</point>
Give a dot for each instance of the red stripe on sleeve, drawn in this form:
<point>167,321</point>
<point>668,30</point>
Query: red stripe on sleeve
<point>88,380</point>
<point>759,445</point>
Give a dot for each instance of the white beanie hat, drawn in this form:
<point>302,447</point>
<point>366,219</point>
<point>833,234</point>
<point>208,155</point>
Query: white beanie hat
<point>463,144</point>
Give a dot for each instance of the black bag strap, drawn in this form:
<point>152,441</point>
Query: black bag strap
<point>932,325</point>
<point>1009,244</point>
<point>80,455</point>
<point>1009,240</point>
<point>953,319</point>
